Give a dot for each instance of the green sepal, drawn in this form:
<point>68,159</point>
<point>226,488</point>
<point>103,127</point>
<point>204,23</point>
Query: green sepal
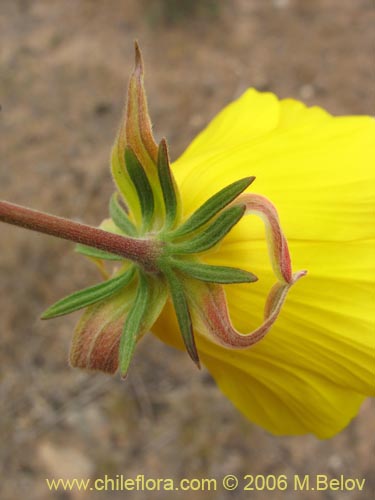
<point>132,326</point>
<point>142,186</point>
<point>96,253</point>
<point>212,206</point>
<point>212,234</point>
<point>213,274</point>
<point>167,185</point>
<point>88,296</point>
<point>183,314</point>
<point>120,217</point>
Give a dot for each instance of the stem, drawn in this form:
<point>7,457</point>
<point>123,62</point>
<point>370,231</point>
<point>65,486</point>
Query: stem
<point>138,250</point>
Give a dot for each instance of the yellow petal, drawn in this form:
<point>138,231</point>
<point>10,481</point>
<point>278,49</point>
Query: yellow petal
<point>306,162</point>
<point>312,371</point>
<point>329,313</point>
<point>283,399</point>
<point>315,367</point>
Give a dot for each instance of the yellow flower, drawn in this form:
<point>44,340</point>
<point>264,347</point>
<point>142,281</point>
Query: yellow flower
<point>316,366</point>
<point>185,234</point>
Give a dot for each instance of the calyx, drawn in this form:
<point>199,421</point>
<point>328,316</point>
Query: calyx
<point>148,207</point>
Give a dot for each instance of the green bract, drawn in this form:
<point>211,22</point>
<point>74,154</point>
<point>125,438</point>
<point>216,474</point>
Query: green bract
<point>204,229</point>
<point>148,207</point>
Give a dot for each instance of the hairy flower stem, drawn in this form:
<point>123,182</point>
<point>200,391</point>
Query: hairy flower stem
<point>141,251</point>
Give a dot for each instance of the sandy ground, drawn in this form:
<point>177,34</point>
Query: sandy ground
<point>64,69</point>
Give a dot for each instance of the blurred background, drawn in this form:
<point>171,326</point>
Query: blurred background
<point>64,72</point>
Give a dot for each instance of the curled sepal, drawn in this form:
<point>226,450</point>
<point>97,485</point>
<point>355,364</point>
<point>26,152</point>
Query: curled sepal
<point>87,296</point>
<point>208,301</point>
<point>183,315</point>
<point>209,308</point>
<point>276,241</point>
